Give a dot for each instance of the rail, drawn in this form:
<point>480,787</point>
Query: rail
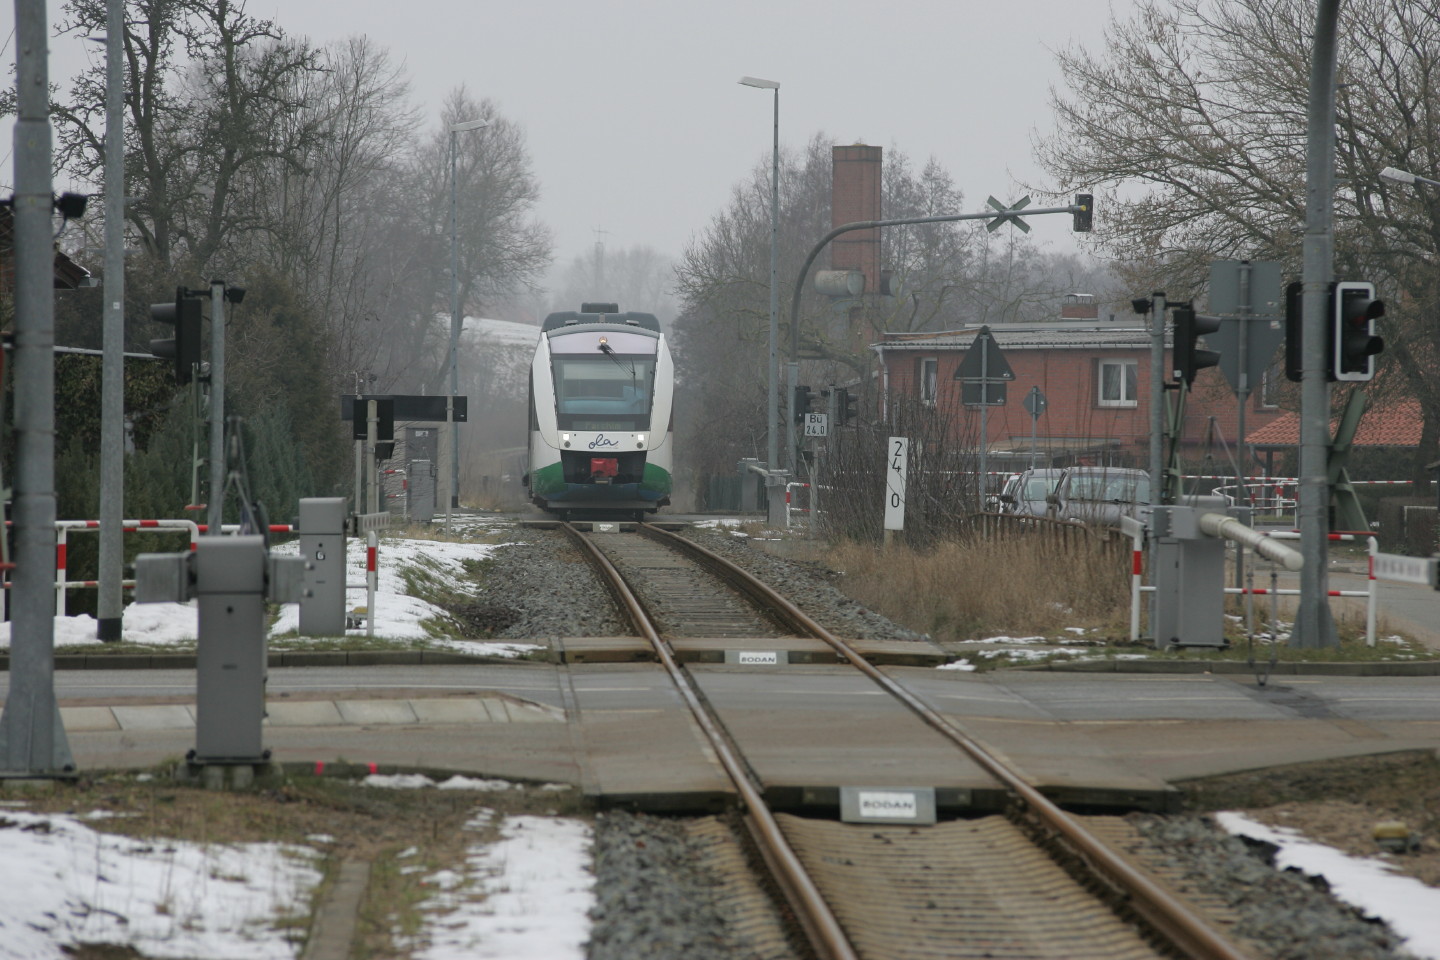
<point>1167,917</point>
<point>818,919</point>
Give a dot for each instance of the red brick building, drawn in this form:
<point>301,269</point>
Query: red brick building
<point>1095,376</point>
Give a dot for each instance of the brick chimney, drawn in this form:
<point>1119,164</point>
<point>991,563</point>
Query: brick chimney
<point>1079,306</point>
<point>855,195</point>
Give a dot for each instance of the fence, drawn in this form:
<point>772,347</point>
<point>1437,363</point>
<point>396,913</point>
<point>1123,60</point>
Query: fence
<point>62,543</point>
<point>1370,593</point>
<point>63,528</point>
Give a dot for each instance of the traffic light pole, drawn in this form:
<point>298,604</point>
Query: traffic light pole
<point>1157,397</point>
<point>32,735</point>
<point>110,604</point>
<point>216,500</point>
<point>1314,624</point>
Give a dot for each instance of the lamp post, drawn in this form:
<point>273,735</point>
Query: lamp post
<point>453,500</point>
<point>1396,175</point>
<point>773,399</point>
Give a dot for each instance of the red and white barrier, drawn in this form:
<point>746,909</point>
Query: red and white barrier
<point>1370,593</point>
<point>62,536</point>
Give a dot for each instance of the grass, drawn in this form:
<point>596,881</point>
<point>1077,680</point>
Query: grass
<point>968,590</point>
<point>1072,604</point>
<point>407,835</point>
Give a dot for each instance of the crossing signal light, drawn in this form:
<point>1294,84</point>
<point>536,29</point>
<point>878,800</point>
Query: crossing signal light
<point>184,347</point>
<point>800,404</point>
<point>1084,218</point>
<point>1188,357</point>
<point>1354,310</point>
<point>846,405</point>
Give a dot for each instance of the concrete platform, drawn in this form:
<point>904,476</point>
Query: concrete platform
<point>789,650</point>
<point>623,735</point>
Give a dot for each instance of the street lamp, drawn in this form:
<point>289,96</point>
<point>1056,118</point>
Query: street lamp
<point>773,400</point>
<point>454,499</point>
<point>1396,175</point>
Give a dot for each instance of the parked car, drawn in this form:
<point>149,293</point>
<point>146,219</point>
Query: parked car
<point>1100,495</point>
<point>995,502</point>
<point>1025,494</point>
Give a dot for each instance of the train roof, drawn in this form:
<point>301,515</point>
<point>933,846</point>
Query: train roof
<point>601,313</point>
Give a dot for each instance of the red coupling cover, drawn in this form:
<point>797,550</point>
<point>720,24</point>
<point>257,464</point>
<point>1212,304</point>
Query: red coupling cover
<point>604,467</point>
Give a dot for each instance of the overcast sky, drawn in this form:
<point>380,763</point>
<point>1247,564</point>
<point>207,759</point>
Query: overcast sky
<point>636,123</point>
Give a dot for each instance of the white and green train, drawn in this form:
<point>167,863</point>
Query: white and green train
<point>601,391</point>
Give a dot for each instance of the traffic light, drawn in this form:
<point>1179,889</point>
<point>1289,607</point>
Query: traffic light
<point>1084,217</point>
<point>184,347</point>
<point>1188,358</point>
<point>1354,309</point>
<point>800,403</point>
<point>845,406</point>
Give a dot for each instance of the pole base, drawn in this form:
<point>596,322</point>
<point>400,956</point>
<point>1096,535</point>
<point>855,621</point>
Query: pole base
<point>108,630</point>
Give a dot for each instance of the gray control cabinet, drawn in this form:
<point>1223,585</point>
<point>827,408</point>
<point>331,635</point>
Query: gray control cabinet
<point>1189,569</point>
<point>322,544</point>
<point>421,487</point>
<point>230,574</point>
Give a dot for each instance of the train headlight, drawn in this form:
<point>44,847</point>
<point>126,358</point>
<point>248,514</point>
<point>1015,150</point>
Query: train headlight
<point>639,440</point>
<point>565,439</point>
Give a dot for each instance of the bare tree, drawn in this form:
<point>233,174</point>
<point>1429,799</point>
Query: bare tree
<point>1191,124</point>
<point>195,130</point>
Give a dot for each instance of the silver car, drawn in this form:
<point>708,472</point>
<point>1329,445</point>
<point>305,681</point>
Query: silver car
<point>1100,495</point>
<point>1025,494</point>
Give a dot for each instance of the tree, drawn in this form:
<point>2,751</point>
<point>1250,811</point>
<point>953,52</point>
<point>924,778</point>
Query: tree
<point>1191,128</point>
<point>948,275</point>
<point>635,278</point>
<point>196,132</point>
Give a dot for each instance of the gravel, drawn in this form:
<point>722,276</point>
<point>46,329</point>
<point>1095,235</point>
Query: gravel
<point>541,587</point>
<point>1286,913</point>
<point>656,896</point>
<point>545,589</point>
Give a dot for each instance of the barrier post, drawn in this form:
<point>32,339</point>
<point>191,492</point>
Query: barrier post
<point>61,560</point>
<point>1370,601</point>
<point>372,549</point>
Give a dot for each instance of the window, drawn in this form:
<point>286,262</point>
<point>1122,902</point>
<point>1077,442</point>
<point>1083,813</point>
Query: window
<point>603,393</point>
<point>1118,383</point>
<point>927,368</point>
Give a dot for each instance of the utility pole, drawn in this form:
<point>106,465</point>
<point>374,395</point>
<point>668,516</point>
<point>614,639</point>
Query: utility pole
<point>32,737</point>
<point>1314,624</point>
<point>111,605</point>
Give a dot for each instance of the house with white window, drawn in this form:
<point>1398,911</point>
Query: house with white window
<point>1095,377</point>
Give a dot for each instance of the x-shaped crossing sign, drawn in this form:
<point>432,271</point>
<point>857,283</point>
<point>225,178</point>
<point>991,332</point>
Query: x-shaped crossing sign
<point>1009,213</point>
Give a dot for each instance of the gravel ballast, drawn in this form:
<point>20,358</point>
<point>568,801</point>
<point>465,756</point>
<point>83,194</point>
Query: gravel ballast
<point>656,894</point>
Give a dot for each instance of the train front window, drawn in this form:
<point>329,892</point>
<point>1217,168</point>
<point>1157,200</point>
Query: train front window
<point>604,392</point>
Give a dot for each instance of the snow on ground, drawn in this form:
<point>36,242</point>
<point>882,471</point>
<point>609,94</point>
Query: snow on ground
<point>70,884</point>
<point>1410,907</point>
<point>398,616</point>
<point>525,897</point>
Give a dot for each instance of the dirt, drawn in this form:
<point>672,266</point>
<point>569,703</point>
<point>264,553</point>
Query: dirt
<point>361,823</point>
<point>1339,803</point>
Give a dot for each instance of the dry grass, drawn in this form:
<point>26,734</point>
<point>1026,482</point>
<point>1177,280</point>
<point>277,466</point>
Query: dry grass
<point>971,589</point>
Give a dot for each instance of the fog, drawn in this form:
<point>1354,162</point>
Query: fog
<point>638,128</point>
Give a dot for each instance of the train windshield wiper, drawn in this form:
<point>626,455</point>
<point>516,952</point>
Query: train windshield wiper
<point>627,365</point>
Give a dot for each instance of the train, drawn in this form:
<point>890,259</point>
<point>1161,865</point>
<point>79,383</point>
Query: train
<point>601,431</point>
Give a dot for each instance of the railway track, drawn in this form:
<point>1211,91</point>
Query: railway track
<point>1038,882</point>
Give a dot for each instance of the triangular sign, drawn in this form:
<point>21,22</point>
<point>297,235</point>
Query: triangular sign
<point>984,360</point>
